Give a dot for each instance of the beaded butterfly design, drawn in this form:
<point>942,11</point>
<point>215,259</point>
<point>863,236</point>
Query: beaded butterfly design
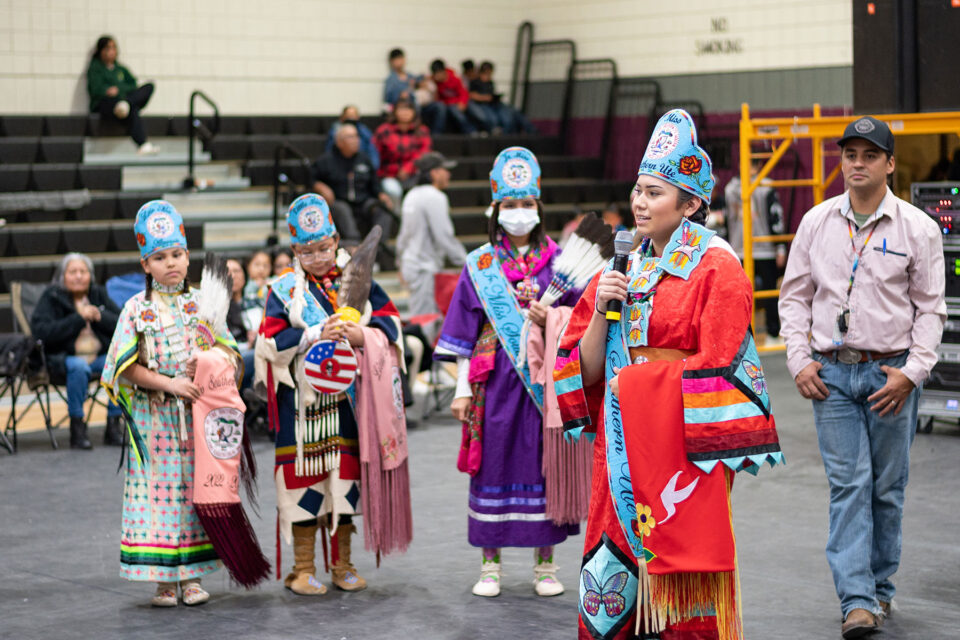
<point>610,596</point>
<point>757,380</point>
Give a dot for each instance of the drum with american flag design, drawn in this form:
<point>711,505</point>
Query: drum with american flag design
<point>330,366</point>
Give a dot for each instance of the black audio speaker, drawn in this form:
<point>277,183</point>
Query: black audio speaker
<point>905,55</point>
<point>876,58</point>
<point>938,53</point>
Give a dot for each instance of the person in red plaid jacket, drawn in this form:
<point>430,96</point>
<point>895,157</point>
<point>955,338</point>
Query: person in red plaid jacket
<point>400,141</point>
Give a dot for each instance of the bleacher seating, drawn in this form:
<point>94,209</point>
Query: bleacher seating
<point>45,154</point>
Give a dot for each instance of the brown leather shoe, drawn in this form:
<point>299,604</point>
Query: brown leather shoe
<point>859,623</point>
<point>885,607</point>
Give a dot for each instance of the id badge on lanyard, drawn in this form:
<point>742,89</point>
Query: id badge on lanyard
<point>842,323</point>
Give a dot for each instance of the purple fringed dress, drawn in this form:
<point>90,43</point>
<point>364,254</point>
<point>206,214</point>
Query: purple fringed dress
<point>507,503</point>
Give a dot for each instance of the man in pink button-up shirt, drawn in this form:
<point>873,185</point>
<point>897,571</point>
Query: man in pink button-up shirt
<point>862,308</point>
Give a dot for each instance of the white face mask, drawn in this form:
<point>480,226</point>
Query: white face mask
<point>518,222</point>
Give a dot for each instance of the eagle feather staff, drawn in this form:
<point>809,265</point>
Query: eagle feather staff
<point>358,277</point>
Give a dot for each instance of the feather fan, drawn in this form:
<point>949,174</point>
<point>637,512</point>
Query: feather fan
<point>216,286</point>
<point>588,249</point>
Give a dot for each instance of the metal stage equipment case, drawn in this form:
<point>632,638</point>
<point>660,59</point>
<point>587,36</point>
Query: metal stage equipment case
<point>940,398</point>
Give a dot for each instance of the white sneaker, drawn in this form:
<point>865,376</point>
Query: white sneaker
<point>488,586</point>
<point>774,342</point>
<point>148,148</point>
<point>121,109</point>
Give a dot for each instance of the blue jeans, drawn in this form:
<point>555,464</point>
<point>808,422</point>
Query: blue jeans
<point>435,116</point>
<point>495,115</point>
<point>451,111</point>
<point>477,117</point>
<point>78,383</point>
<point>867,460</point>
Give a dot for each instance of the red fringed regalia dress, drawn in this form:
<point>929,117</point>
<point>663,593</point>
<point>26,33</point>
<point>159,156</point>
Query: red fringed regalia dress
<point>693,411</point>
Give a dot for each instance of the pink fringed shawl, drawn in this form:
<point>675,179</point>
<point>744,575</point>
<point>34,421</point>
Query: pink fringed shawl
<point>220,442</point>
<point>382,428</point>
<point>566,465</point>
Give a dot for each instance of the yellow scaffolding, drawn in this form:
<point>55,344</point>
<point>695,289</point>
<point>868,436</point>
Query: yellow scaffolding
<point>782,133</point>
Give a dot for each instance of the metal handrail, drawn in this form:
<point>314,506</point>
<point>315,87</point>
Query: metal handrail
<point>280,153</point>
<point>611,103</point>
<point>194,124</point>
<point>525,28</point>
<point>521,81</point>
<point>568,82</point>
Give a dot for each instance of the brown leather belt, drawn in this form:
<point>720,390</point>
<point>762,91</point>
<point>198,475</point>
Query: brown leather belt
<point>655,354</point>
<point>846,355</point>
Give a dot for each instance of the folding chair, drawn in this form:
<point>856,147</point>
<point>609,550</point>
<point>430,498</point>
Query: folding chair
<point>440,392</point>
<point>24,297</point>
<point>17,351</point>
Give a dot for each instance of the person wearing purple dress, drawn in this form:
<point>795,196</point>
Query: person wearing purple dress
<point>503,442</point>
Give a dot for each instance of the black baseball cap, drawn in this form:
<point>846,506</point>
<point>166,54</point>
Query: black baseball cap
<point>871,130</point>
<point>433,160</point>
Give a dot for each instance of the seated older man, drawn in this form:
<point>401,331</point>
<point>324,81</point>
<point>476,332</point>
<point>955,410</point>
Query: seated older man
<point>75,319</point>
<point>345,177</point>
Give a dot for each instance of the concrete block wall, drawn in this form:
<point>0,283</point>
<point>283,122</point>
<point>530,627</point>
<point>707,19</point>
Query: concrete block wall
<point>282,56</point>
<point>313,56</point>
<point>649,38</point>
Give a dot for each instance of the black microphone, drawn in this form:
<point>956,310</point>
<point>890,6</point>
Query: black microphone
<point>622,245</point>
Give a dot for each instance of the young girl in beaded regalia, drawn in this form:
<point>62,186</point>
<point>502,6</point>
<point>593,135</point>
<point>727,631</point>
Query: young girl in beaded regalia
<point>148,372</point>
<point>320,472</point>
<point>503,280</point>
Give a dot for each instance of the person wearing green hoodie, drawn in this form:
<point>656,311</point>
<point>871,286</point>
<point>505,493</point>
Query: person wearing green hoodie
<point>114,92</point>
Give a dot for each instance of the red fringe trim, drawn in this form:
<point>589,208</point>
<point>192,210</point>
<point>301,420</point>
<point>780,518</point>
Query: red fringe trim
<point>567,468</point>
<point>234,541</point>
<point>279,546</point>
<point>273,414</point>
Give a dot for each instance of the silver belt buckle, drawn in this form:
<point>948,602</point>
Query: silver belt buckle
<point>846,355</point>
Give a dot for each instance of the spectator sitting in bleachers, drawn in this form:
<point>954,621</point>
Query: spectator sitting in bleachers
<point>399,83</point>
<point>346,179</point>
<point>237,323</point>
<point>425,97</point>
<point>419,88</point>
<point>454,101</point>
<point>75,319</point>
<point>351,115</point>
<point>499,115</point>
<point>400,141</point>
<point>259,267</point>
<point>282,259</point>
<point>114,92</point>
<point>468,71</point>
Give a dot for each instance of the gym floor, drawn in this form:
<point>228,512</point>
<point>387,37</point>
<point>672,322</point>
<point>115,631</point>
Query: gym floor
<point>60,530</point>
